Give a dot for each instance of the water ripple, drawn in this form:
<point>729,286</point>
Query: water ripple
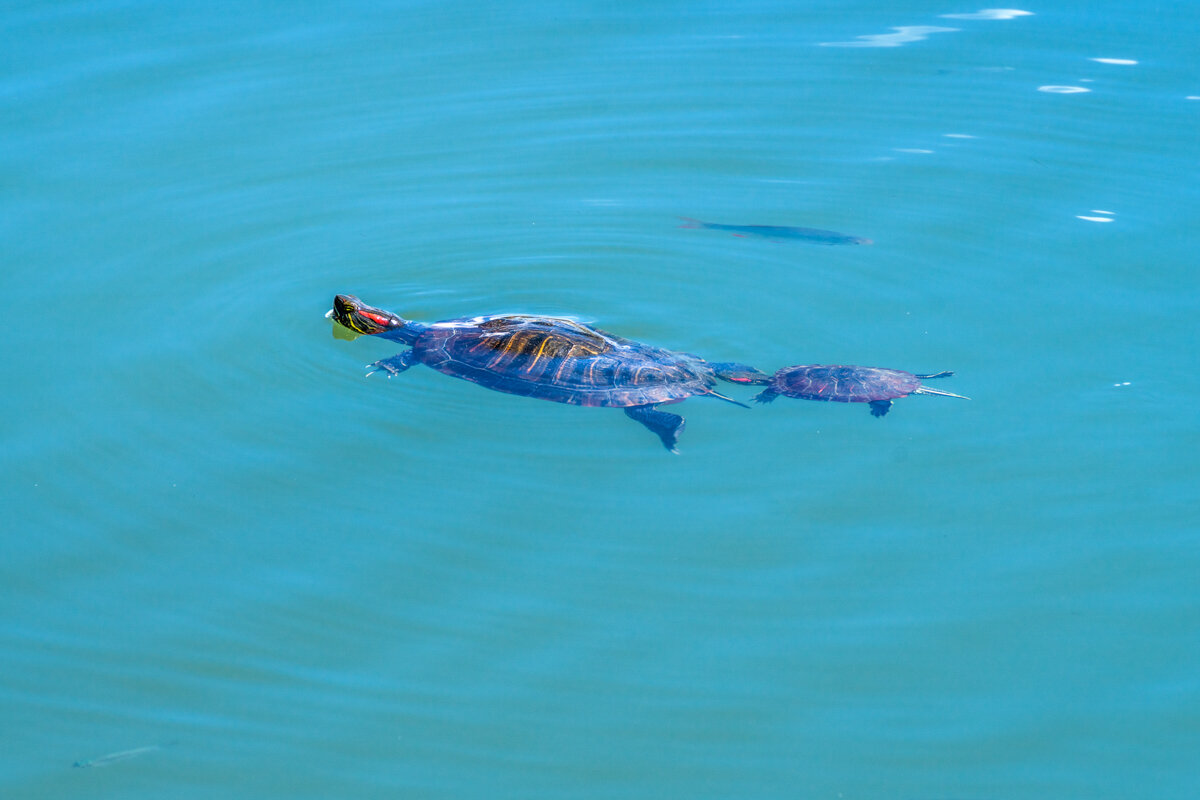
<point>904,34</point>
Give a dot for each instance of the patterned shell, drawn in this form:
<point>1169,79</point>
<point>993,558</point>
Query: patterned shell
<point>560,360</point>
<point>844,384</point>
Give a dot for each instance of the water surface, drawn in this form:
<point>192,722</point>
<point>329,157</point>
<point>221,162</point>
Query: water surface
<point>219,533</point>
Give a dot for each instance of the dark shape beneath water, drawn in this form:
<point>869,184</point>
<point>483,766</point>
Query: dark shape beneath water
<point>779,232</point>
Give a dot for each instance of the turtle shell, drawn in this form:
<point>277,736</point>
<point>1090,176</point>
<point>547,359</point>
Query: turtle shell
<point>561,360</point>
<point>843,384</point>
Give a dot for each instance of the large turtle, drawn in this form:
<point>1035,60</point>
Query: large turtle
<point>849,384</point>
<point>550,358</point>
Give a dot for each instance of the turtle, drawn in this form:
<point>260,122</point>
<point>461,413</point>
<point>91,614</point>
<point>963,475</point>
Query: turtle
<point>551,358</point>
<point>849,384</point>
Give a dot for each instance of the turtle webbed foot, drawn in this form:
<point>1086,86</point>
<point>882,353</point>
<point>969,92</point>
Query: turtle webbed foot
<point>880,407</point>
<point>394,365</point>
<point>666,425</point>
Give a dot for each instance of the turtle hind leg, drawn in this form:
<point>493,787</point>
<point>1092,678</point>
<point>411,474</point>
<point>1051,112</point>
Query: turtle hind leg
<point>739,373</point>
<point>668,426</point>
<point>766,396</point>
<point>880,407</point>
<point>946,374</point>
<point>394,365</point>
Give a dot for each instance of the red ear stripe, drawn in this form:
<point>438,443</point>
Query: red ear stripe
<point>377,319</point>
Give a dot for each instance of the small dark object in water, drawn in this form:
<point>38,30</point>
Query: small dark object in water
<point>777,232</point>
<point>551,358</point>
<point>848,384</point>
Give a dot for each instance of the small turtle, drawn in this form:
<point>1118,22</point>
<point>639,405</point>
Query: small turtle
<point>848,384</point>
<point>551,358</point>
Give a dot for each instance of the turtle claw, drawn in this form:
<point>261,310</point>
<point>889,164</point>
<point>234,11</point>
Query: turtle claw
<point>373,368</point>
<point>392,366</point>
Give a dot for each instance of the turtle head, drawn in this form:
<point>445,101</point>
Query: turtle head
<point>740,373</point>
<point>359,317</point>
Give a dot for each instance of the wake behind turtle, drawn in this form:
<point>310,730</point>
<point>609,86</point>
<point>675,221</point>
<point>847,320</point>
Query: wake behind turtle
<point>550,358</point>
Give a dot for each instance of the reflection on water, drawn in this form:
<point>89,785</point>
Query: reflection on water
<point>904,34</point>
<point>991,13</point>
<point>1054,89</point>
<point>121,755</point>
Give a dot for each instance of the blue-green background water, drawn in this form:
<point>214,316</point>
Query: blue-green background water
<point>219,538</point>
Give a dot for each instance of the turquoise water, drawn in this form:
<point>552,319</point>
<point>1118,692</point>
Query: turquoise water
<point>225,546</point>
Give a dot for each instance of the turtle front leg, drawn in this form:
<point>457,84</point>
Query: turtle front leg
<point>394,365</point>
<point>880,407</point>
<point>668,426</point>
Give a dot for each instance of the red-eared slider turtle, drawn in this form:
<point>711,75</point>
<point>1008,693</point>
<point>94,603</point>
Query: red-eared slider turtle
<point>847,384</point>
<point>550,358</point>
